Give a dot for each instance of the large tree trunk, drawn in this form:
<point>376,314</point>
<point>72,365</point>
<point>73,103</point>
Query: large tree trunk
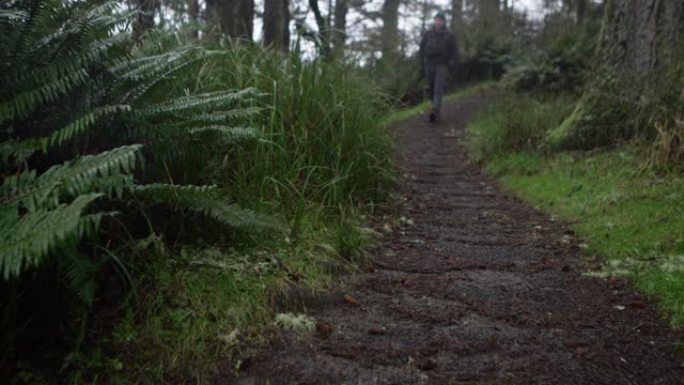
<point>390,30</point>
<point>234,17</point>
<point>642,36</point>
<point>639,55</point>
<point>339,36</point>
<point>277,24</point>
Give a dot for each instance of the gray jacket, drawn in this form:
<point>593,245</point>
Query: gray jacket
<point>438,46</point>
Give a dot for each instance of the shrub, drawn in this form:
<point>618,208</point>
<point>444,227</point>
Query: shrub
<point>516,123</point>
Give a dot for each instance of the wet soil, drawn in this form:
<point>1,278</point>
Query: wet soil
<point>475,287</point>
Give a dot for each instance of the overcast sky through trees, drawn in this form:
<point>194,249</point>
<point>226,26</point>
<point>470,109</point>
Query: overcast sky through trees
<point>359,27</point>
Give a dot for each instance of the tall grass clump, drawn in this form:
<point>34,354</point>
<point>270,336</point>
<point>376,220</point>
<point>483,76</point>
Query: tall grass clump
<point>321,133</point>
<point>156,193</point>
<point>516,123</point>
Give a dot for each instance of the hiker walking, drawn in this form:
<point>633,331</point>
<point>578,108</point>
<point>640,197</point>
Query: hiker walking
<point>438,52</point>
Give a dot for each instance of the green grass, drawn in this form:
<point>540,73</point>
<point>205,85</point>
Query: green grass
<point>320,166</point>
<point>406,113</point>
<point>631,216</point>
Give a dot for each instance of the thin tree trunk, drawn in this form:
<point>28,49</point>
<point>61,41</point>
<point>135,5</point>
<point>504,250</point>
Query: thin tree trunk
<point>323,29</point>
<point>581,10</point>
<point>390,30</point>
<point>145,20</point>
<point>193,16</point>
<point>456,14</point>
<point>339,36</point>
<point>277,24</point>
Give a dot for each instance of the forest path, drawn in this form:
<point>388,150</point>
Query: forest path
<point>476,287</point>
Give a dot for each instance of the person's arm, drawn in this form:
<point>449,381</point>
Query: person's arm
<point>454,54</point>
<point>421,53</point>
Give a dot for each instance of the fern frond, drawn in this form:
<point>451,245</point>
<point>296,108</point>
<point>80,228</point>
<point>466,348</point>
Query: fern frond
<point>12,15</point>
<point>138,68</point>
<point>228,134</point>
<point>223,116</point>
<point>75,177</point>
<point>25,102</point>
<point>26,240</point>
<point>64,65</point>
<point>141,89</point>
<point>83,123</point>
<point>79,272</point>
<point>206,200</point>
<point>191,102</point>
<point>21,150</point>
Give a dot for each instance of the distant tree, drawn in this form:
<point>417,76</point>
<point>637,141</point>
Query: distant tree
<point>323,36</point>
<point>339,33</point>
<point>277,24</point>
<point>390,30</point>
<point>233,17</point>
<point>145,20</point>
<point>193,18</point>
<point>489,11</point>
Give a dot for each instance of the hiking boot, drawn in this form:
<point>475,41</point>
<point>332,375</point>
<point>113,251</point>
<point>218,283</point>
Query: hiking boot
<point>433,117</point>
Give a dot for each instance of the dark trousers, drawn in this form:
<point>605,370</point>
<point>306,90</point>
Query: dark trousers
<point>436,75</point>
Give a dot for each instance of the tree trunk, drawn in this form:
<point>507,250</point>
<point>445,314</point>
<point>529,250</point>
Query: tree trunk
<point>193,18</point>
<point>456,15</point>
<point>277,24</point>
<point>489,12</point>
<point>638,74</point>
<point>323,29</point>
<point>390,30</point>
<point>339,36</point>
<point>233,17</point>
<point>642,37</point>
<point>145,19</point>
<point>581,10</point>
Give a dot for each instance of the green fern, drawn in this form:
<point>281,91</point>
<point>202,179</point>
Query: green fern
<point>75,95</point>
<point>79,176</point>
<point>206,200</point>
<point>25,240</point>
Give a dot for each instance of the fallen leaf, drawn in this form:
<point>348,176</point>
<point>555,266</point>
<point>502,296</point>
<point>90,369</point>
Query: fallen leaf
<point>324,329</point>
<point>637,304</point>
<point>350,300</point>
<point>377,330</point>
<point>612,280</point>
<point>619,307</point>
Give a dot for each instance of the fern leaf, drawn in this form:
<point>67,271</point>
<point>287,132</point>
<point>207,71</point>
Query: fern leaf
<point>223,116</point>
<point>190,102</point>
<point>20,105</point>
<point>75,177</point>
<point>64,65</point>
<point>206,200</point>
<point>228,134</point>
<point>26,240</point>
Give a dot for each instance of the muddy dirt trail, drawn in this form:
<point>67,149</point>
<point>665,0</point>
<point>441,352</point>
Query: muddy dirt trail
<point>476,287</point>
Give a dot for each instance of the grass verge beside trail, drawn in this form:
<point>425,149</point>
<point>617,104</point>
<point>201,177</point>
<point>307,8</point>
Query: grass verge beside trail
<point>406,113</point>
<point>630,215</point>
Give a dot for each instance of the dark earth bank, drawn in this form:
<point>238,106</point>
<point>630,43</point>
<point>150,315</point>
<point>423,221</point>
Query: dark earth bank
<point>475,287</point>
